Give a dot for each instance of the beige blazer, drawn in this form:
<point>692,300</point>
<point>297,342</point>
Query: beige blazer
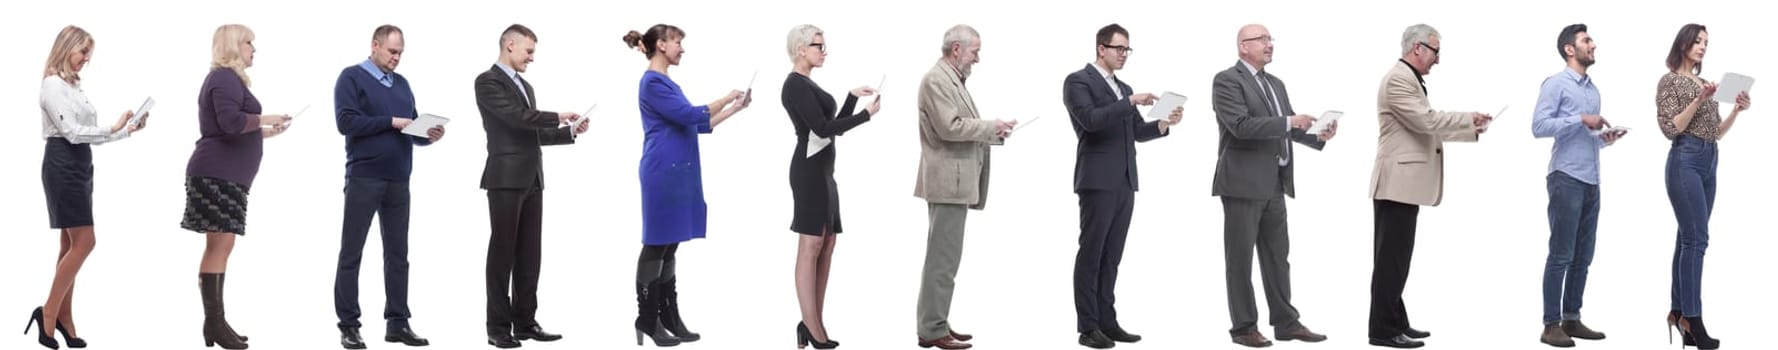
<point>1410,162</point>
<point>954,141</point>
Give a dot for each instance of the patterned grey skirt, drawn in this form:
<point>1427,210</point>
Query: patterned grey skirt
<point>214,205</point>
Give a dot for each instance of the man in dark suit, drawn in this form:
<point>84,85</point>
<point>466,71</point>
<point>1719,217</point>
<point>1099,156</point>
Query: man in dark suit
<point>1108,126</point>
<point>1253,175</point>
<point>513,178</point>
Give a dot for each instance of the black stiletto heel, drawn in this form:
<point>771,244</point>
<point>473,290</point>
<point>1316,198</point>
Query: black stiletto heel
<point>43,337</point>
<point>73,343</point>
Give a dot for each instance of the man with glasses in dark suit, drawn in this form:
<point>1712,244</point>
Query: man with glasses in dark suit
<point>1107,127</point>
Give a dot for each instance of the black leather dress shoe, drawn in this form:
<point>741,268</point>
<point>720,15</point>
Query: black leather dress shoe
<point>1399,342</point>
<point>405,335</point>
<point>1119,335</point>
<point>503,341</point>
<point>1416,334</point>
<point>1096,340</point>
<point>535,332</point>
<point>350,339</point>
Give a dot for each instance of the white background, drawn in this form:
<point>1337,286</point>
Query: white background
<point>1477,273</point>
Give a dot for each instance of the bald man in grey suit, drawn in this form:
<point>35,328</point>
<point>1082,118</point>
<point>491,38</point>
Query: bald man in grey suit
<point>1253,175</point>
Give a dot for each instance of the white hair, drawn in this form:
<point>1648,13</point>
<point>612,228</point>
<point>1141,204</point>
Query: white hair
<point>800,37</point>
<point>1416,34</point>
<point>961,34</point>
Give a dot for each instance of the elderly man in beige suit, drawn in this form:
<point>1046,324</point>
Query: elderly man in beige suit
<point>953,178</point>
<point>1409,173</point>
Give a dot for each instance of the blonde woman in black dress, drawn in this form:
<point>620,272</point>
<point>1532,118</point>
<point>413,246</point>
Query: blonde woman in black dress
<point>814,116</point>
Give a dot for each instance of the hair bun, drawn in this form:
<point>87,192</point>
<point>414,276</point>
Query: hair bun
<point>633,39</point>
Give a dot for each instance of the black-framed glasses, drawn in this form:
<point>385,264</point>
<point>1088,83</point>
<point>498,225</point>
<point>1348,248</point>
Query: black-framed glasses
<point>1262,39</point>
<point>1429,47</point>
<point>819,46</point>
<point>1122,49</point>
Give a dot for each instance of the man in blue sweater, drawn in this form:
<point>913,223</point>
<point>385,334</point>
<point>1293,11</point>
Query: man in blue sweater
<point>371,105</point>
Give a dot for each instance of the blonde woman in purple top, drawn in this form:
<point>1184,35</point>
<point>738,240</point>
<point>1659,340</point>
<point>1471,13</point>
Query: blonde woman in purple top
<point>222,168</point>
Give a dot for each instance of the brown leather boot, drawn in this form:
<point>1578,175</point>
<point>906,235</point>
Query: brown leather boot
<point>216,329</point>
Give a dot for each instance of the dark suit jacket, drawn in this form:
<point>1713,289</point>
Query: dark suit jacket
<point>1107,128</point>
<point>1252,136</point>
<point>516,131</point>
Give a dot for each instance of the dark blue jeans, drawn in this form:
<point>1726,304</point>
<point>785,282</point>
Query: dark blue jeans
<point>1691,186</point>
<point>1574,226</point>
<point>388,201</point>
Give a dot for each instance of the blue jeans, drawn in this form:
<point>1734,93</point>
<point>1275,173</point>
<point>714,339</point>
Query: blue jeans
<point>1691,186</point>
<point>1574,226</point>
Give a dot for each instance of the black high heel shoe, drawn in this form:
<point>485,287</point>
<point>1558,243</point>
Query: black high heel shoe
<point>1693,330</point>
<point>804,339</point>
<point>43,337</point>
<point>73,343</point>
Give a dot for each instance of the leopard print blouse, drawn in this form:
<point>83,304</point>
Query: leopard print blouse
<point>1674,93</point>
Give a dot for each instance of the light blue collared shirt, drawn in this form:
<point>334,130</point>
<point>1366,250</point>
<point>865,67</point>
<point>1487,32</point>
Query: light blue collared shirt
<point>514,75</point>
<point>1564,98</point>
<point>377,72</point>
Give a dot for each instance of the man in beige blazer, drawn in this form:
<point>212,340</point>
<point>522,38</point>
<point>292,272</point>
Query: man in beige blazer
<point>953,178</point>
<point>1409,173</point>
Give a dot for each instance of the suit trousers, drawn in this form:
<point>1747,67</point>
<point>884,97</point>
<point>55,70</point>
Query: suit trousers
<point>1392,252</point>
<point>1104,225</point>
<point>387,201</point>
<point>944,251</point>
<point>514,258</point>
<point>1249,224</point>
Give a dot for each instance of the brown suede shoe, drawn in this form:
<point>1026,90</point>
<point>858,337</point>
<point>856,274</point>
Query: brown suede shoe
<point>1554,336</point>
<point>1578,330</point>
<point>1252,340</point>
<point>947,342</point>
<point>1302,333</point>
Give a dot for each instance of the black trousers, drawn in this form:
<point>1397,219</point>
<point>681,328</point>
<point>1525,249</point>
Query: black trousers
<point>1104,224</point>
<point>515,248</point>
<point>387,201</point>
<point>1393,252</point>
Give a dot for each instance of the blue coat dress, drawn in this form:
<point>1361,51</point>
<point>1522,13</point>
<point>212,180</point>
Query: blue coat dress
<point>673,208</point>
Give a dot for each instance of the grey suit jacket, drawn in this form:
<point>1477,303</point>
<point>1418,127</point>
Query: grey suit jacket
<point>954,141</point>
<point>1252,137</point>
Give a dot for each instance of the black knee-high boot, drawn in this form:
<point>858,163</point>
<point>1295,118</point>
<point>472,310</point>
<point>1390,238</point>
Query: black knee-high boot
<point>669,289</point>
<point>216,328</point>
<point>649,300</point>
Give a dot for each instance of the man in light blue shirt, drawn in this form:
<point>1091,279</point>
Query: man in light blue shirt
<point>1568,111</point>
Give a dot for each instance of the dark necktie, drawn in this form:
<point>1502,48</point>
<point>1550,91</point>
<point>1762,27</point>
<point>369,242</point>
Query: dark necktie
<point>1272,100</point>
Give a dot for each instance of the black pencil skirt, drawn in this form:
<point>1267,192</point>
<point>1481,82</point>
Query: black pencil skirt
<point>68,183</point>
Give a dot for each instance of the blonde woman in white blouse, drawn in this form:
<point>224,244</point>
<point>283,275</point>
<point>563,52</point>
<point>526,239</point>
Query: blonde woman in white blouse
<point>70,128</point>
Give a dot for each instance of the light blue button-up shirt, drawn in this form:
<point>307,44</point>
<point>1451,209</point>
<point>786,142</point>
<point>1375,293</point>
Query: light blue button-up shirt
<point>377,73</point>
<point>514,75</point>
<point>1564,98</point>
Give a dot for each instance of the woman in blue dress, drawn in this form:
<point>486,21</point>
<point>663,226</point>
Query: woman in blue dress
<point>673,209</point>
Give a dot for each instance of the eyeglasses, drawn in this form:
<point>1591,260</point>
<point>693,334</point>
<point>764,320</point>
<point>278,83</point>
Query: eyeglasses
<point>1125,50</point>
<point>819,46</point>
<point>1262,39</point>
<point>1429,47</point>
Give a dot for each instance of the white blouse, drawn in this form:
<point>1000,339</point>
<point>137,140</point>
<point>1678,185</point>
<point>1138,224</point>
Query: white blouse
<point>67,114</point>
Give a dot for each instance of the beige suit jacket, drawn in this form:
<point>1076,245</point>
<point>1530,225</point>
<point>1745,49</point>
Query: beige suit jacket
<point>954,141</point>
<point>1410,161</point>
